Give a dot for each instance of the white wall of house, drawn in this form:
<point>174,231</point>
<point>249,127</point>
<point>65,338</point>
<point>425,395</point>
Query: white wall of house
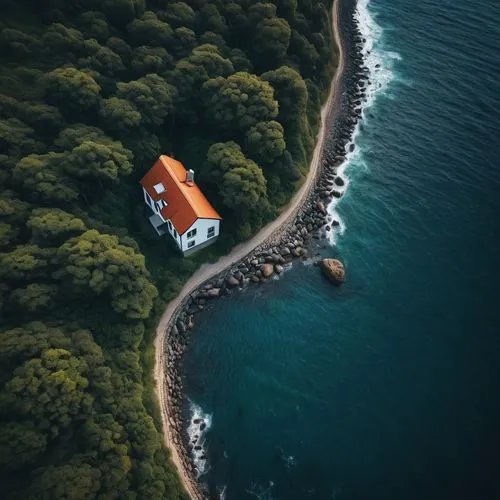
<point>155,207</point>
<point>201,227</point>
<point>175,235</point>
<point>199,232</point>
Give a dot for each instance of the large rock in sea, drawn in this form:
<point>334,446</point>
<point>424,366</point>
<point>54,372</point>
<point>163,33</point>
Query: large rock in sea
<point>232,281</point>
<point>267,270</point>
<point>333,270</point>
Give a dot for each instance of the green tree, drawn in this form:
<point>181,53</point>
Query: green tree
<point>101,263</point>
<point>208,18</point>
<point>102,59</point>
<point>77,133</point>
<point>243,188</point>
<point>68,482</point>
<point>293,97</point>
<point>242,184</point>
<point>43,118</point>
<point>105,162</point>
<point>178,14</point>
<point>184,42</point>
<point>17,139</point>
<point>120,47</point>
<point>59,39</point>
<point>152,96</point>
<point>43,178</point>
<point>53,225</point>
<point>271,41</point>
<point>120,115</point>
<point>305,52</point>
<point>50,390</point>
<point>30,340</point>
<point>25,263</point>
<point>240,61</point>
<point>20,444</point>
<point>12,209</point>
<point>191,73</point>
<point>265,141</point>
<point>72,91</point>
<point>287,8</point>
<point>239,101</point>
<point>121,12</point>
<point>34,297</point>
<point>95,25</point>
<point>17,44</point>
<point>94,155</point>
<point>8,234</point>
<point>223,156</point>
<point>290,91</point>
<point>147,59</point>
<point>149,30</point>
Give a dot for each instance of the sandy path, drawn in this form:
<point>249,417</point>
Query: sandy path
<point>206,271</point>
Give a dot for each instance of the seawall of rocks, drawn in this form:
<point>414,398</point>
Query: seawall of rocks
<point>311,222</point>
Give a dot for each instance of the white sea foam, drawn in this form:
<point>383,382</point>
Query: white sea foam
<point>379,63</point>
<point>197,437</point>
<point>222,493</point>
<point>261,492</point>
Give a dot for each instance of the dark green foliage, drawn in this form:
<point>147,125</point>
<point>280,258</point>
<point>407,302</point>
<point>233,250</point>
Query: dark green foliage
<point>271,40</point>
<point>42,178</point>
<point>265,141</point>
<point>239,101</point>
<point>150,30</point>
<point>178,14</point>
<point>152,96</point>
<point>72,90</point>
<point>91,92</point>
<point>99,262</point>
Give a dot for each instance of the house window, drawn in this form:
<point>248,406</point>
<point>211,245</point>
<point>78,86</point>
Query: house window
<point>191,244</point>
<point>148,199</point>
<point>211,232</point>
<point>159,188</point>
<point>191,233</point>
<point>175,233</point>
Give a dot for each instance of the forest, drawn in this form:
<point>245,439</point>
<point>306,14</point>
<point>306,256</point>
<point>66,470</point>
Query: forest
<point>91,93</point>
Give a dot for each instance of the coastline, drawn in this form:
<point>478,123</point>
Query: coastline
<point>275,244</point>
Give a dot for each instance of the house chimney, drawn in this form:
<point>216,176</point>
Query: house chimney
<point>190,177</point>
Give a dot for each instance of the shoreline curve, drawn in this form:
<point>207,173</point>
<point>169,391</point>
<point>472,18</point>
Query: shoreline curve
<point>207,271</point>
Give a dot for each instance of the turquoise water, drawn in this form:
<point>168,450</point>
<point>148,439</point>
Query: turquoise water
<point>387,387</point>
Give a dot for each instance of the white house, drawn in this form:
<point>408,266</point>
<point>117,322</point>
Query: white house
<point>178,207</point>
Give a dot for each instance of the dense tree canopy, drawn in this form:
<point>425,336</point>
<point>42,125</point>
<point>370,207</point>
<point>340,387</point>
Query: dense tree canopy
<point>239,101</point>
<point>265,141</point>
<point>91,92</point>
<point>99,262</point>
<point>72,90</point>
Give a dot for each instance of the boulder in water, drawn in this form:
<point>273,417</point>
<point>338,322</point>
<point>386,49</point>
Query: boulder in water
<point>232,281</point>
<point>213,292</point>
<point>267,270</point>
<point>333,270</point>
<point>321,207</point>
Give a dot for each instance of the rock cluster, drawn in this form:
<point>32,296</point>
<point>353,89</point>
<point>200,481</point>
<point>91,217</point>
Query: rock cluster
<point>311,221</point>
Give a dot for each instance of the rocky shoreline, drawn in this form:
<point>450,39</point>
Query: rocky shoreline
<point>293,241</point>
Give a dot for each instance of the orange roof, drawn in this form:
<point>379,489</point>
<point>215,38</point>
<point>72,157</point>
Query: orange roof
<point>185,203</point>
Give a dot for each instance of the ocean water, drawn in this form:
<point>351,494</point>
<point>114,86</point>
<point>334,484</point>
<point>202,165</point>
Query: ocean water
<point>386,387</point>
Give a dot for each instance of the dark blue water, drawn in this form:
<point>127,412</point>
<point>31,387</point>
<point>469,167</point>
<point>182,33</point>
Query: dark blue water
<point>387,387</point>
